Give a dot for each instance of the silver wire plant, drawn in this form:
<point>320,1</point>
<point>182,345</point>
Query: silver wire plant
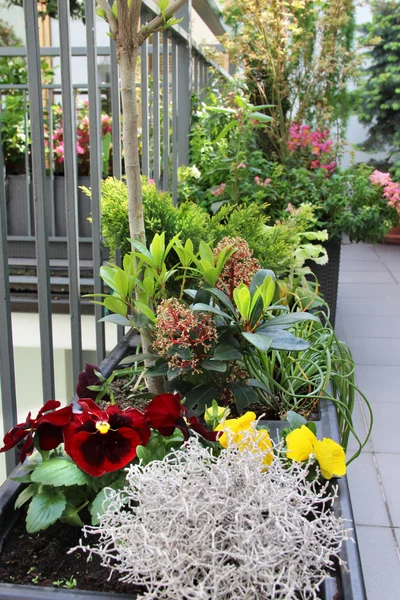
<point>194,526</point>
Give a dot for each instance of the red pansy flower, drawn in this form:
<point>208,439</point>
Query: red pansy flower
<point>104,441</point>
<point>165,413</point>
<point>88,378</point>
<point>47,425</point>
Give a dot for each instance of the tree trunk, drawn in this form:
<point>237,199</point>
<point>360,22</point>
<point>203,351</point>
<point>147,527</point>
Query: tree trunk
<point>128,63</point>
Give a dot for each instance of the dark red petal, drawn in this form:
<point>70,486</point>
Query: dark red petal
<point>195,424</point>
<point>14,436</point>
<point>58,417</point>
<point>50,436</point>
<point>87,378</point>
<point>164,412</point>
<point>89,406</point>
<point>99,453</point>
<point>27,448</point>
<point>50,405</point>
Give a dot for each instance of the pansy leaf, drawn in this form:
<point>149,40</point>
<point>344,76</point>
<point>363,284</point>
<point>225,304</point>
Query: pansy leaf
<point>45,509</point>
<point>59,472</point>
<point>71,516</point>
<point>26,495</point>
<point>99,504</point>
<point>295,420</point>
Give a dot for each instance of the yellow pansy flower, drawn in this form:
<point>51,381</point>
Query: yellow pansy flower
<point>301,443</point>
<point>331,458</point>
<point>235,430</point>
<point>215,412</point>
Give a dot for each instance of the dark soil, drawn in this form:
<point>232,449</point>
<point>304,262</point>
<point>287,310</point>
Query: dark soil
<point>41,559</point>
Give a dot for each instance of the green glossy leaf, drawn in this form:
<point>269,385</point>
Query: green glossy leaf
<point>138,358</point>
<point>224,299</point>
<point>312,427</point>
<point>115,305</point>
<point>283,340</point>
<point>117,320</point>
<point>258,340</point>
<point>121,283</point>
<point>244,395</point>
<point>200,307</point>
<point>45,509</point>
<point>286,321</point>
<point>259,277</point>
<point>214,365</point>
<point>255,383</point>
<point>146,311</point>
<point>199,397</point>
<point>59,472</point>
<point>206,253</point>
<point>227,352</point>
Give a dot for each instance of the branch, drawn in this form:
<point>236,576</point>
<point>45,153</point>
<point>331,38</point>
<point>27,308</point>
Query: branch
<point>159,22</point>
<point>111,20</point>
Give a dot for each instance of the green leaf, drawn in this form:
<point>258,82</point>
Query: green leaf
<point>59,472</point>
<point>146,311</point>
<point>200,307</point>
<point>45,509</point>
<point>100,503</point>
<point>224,299</point>
<point>26,495</point>
<point>244,395</point>
<point>211,275</point>
<point>214,365</point>
<point>295,420</point>
<point>115,305</point>
<point>121,283</point>
<point>286,321</point>
<point>227,352</point>
<point>199,397</point>
<point>157,248</point>
<point>71,516</point>
<point>206,252</point>
<point>117,320</point>
<point>108,274</point>
<point>256,383</point>
<point>283,340</point>
<point>260,341</point>
<point>259,277</point>
<point>312,427</point>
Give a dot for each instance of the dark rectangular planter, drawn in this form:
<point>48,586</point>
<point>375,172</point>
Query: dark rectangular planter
<point>328,276</point>
<point>347,585</point>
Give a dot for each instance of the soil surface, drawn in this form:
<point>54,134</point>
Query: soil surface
<point>41,559</point>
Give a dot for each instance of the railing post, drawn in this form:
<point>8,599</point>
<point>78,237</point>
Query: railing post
<point>71,191</point>
<point>185,84</point>
<point>7,372</point>
<point>95,171</point>
<point>39,195</point>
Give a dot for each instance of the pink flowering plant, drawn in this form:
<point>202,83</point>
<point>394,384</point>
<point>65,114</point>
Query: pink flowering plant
<point>55,141</point>
<point>390,189</point>
<point>312,148</point>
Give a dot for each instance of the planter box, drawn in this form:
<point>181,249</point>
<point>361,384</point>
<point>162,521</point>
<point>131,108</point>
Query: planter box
<point>328,276</point>
<point>347,585</point>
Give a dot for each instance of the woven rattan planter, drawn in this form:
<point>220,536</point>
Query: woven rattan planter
<point>328,276</point>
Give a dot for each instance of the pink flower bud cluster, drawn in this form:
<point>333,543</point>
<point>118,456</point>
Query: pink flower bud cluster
<point>239,268</point>
<point>262,183</point>
<point>179,327</point>
<point>220,190</point>
<point>391,189</point>
<point>316,142</point>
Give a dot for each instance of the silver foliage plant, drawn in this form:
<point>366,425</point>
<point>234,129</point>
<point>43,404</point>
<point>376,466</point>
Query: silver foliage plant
<point>198,527</point>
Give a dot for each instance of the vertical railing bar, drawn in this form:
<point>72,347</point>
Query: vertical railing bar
<point>116,136</point>
<point>95,171</point>
<point>27,166</point>
<point>196,75</point>
<point>175,148</point>
<point>165,88</point>
<point>156,108</point>
<point>39,196</point>
<point>7,367</point>
<point>144,68</point>
<point>51,157</point>
<point>71,188</point>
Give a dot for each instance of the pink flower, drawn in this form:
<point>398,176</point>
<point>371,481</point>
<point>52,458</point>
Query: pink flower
<point>152,182</point>
<point>266,182</point>
<point>314,164</point>
<point>379,178</point>
<point>79,149</point>
<point>257,180</point>
<point>241,166</point>
<point>219,191</point>
<point>330,167</point>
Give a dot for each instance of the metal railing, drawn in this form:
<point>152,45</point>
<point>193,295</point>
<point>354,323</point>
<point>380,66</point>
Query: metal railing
<point>168,95</point>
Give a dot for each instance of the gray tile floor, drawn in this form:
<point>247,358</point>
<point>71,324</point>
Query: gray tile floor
<point>369,321</point>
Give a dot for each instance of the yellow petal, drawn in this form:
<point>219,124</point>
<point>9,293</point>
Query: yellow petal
<point>338,457</point>
<point>265,444</point>
<point>300,443</point>
<point>323,454</point>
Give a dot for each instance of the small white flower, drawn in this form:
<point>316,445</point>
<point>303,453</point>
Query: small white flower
<point>195,172</point>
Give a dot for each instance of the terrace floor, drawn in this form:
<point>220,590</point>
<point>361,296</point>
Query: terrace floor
<point>369,321</point>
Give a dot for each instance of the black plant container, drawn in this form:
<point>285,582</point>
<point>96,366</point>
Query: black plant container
<point>328,276</point>
<point>347,584</point>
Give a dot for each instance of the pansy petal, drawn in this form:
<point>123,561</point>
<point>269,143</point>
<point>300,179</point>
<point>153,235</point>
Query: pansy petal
<point>323,454</point>
<point>338,457</point>
<point>50,405</point>
<point>50,436</point>
<point>299,444</point>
